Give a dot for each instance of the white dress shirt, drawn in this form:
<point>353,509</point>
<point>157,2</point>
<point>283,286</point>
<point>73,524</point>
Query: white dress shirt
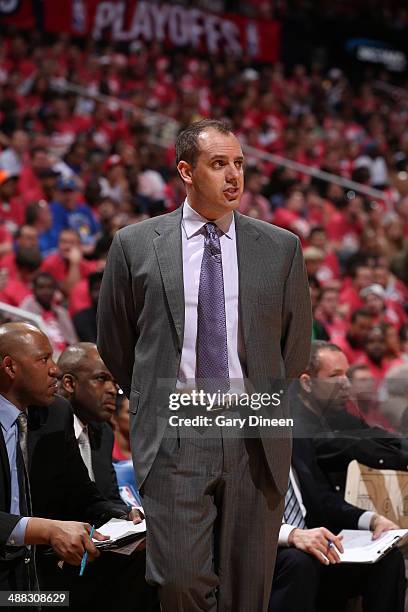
<point>81,428</point>
<point>193,248</point>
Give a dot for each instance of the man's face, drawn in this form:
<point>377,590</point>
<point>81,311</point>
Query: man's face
<point>374,304</point>
<point>95,390</point>
<point>67,241</point>
<point>363,277</point>
<point>28,238</point>
<point>44,289</point>
<point>9,189</point>
<point>363,385</point>
<point>375,345</point>
<point>20,141</point>
<point>329,303</point>
<point>68,198</point>
<point>216,183</point>
<point>330,388</point>
<point>40,161</point>
<point>318,239</point>
<point>35,371</point>
<point>360,329</point>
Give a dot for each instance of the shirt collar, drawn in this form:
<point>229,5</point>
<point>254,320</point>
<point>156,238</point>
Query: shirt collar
<point>8,413</point>
<point>193,222</point>
<point>79,427</point>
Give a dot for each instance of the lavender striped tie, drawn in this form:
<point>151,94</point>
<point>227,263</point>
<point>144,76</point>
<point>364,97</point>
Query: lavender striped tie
<point>212,351</point>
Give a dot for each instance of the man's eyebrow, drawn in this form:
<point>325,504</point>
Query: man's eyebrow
<point>220,156</point>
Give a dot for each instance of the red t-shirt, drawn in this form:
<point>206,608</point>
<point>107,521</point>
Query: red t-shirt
<point>79,298</point>
<point>14,292</point>
<point>55,265</point>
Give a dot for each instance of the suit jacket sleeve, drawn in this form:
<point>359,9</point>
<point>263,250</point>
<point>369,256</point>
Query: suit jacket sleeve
<point>354,439</point>
<point>297,318</point>
<point>7,524</point>
<point>116,343</point>
<point>324,507</point>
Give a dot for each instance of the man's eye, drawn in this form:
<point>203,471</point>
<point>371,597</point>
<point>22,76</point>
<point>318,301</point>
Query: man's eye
<point>217,164</point>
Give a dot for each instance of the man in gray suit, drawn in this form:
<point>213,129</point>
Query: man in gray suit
<point>204,297</point>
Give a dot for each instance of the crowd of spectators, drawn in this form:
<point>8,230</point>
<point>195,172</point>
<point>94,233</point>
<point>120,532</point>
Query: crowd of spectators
<point>75,168</point>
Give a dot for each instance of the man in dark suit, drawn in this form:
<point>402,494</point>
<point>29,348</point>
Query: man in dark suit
<point>319,412</point>
<point>86,382</point>
<point>42,474</point>
<point>307,574</point>
<point>91,390</point>
<point>205,298</point>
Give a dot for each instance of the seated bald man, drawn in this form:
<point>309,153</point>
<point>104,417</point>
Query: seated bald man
<point>43,482</point>
<point>118,581</point>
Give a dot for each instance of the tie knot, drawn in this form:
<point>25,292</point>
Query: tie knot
<point>22,421</point>
<point>211,229</point>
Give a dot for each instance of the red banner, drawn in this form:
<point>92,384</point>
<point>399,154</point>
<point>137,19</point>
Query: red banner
<point>173,24</point>
<point>17,12</point>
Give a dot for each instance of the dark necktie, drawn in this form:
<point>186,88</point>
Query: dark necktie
<point>212,351</point>
<point>25,495</point>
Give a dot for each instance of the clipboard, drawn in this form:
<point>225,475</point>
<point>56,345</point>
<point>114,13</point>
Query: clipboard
<point>359,547</point>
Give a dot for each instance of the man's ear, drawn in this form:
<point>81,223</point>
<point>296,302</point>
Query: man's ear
<point>9,367</point>
<point>306,383</point>
<point>186,171</point>
<point>68,383</point>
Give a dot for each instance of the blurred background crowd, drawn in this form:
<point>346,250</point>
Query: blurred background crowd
<point>87,135</point>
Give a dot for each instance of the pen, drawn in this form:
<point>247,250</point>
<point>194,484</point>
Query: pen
<point>85,557</point>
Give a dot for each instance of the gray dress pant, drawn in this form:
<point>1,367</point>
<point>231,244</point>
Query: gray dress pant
<point>213,517</point>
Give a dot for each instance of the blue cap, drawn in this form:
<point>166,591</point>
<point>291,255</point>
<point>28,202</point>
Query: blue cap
<point>67,184</point>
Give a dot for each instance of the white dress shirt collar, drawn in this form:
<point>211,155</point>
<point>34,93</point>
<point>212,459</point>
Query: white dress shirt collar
<point>79,427</point>
<point>193,222</point>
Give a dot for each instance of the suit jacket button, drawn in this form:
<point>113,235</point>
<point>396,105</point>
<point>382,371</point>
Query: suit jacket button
<point>381,461</point>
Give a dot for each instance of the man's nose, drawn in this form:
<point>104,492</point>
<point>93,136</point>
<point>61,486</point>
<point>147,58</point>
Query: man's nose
<point>53,371</point>
<point>345,383</point>
<point>232,173</point>
<point>111,387</point>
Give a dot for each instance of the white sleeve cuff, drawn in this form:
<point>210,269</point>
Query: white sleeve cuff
<point>365,520</point>
<point>284,532</point>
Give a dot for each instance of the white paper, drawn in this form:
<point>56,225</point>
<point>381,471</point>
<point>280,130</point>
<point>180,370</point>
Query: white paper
<point>359,547</point>
<point>120,528</point>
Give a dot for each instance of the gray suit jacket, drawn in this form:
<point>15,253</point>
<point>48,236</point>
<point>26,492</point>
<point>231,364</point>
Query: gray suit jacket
<point>141,322</point>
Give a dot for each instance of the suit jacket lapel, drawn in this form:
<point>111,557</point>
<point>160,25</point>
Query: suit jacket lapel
<point>5,473</point>
<point>248,253</point>
<point>170,258</point>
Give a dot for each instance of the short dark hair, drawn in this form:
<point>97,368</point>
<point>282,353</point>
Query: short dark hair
<point>313,366</point>
<point>187,147</point>
<point>44,276</point>
<point>29,259</point>
<point>360,312</point>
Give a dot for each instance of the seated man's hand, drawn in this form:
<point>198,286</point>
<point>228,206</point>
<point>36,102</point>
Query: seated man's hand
<point>316,542</point>
<point>379,524</point>
<point>136,515</point>
<point>70,539</point>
